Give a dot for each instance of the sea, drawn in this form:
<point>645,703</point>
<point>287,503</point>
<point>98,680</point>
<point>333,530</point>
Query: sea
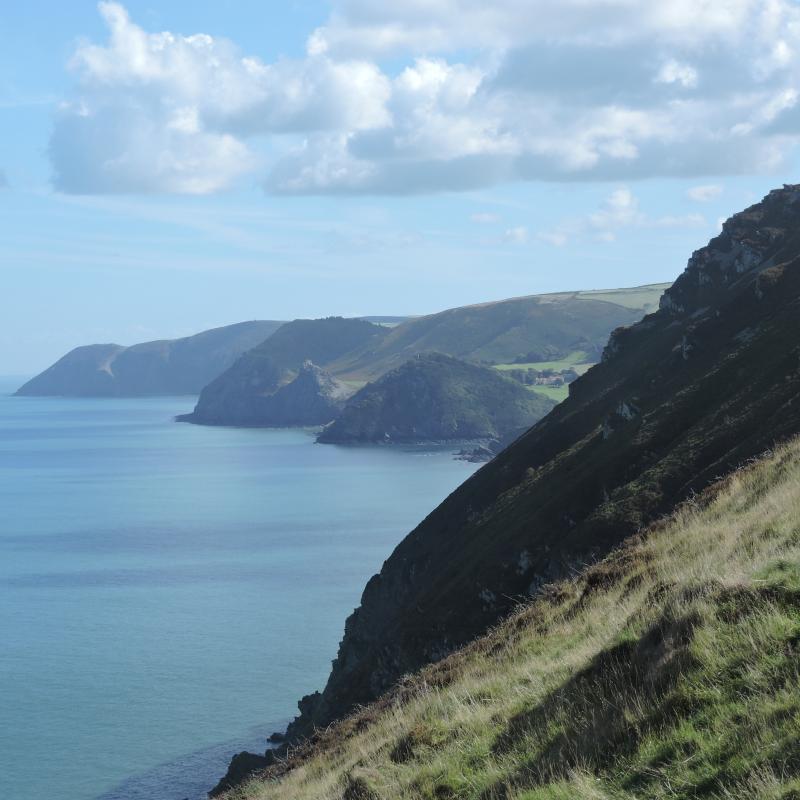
<point>168,591</point>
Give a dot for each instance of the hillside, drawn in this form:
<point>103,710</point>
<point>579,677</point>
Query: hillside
<point>536,328</point>
<point>689,393</point>
<point>356,351</point>
<point>667,670</point>
<point>169,366</point>
<point>312,398</point>
<point>239,396</point>
<point>436,398</point>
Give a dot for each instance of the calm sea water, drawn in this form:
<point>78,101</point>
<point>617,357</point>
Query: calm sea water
<point>167,592</point>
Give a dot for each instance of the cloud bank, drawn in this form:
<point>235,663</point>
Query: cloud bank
<point>515,90</point>
<point>620,211</point>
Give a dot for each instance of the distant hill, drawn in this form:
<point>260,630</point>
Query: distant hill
<point>312,398</point>
<point>558,326</point>
<point>435,397</point>
<point>238,396</point>
<point>389,322</point>
<point>530,329</point>
<point>169,366</point>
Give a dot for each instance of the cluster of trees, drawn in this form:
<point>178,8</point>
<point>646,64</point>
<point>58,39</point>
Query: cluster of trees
<point>543,377</point>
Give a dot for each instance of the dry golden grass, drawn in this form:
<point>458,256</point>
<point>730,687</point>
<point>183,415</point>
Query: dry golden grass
<point>668,670</point>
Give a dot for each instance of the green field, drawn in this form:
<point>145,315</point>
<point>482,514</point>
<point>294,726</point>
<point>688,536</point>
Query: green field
<point>557,393</point>
<point>576,360</point>
<point>644,297</point>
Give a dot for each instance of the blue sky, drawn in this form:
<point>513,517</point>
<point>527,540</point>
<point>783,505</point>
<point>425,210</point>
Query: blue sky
<point>306,159</point>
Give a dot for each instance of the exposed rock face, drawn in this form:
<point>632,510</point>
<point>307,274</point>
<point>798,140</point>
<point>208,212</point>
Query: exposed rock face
<point>434,397</point>
<point>312,398</point>
<point>245,394</point>
<point>242,766</point>
<point>177,366</point>
<point>705,383</point>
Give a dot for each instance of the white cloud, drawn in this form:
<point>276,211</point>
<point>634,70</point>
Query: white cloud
<point>562,90</point>
<point>620,211</point>
<point>376,27</point>
<point>684,221</point>
<point>557,238</point>
<point>705,193</point>
<point>163,112</point>
<point>517,235</point>
<point>485,218</point>
<point>674,72</point>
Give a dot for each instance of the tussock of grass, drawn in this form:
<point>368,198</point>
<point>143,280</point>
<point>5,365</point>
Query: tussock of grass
<point>669,670</point>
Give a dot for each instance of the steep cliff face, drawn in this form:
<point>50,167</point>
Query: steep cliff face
<point>242,395</point>
<point>705,383</point>
<point>169,366</point>
<point>435,397</point>
<point>313,398</point>
<point>668,669</point>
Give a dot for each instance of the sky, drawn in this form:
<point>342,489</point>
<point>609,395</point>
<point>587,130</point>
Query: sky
<point>167,167</point>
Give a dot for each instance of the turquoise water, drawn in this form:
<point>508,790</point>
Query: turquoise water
<point>167,592</point>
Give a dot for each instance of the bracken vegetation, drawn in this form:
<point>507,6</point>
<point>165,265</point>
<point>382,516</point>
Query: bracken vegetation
<point>671,669</point>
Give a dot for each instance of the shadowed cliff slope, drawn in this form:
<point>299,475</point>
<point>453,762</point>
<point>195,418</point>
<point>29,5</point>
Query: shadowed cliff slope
<point>667,670</point>
<point>169,366</point>
<point>687,394</point>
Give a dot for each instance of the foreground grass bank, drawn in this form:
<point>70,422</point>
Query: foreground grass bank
<point>669,670</point>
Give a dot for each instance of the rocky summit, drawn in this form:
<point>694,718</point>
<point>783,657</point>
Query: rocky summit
<point>244,394</point>
<point>314,397</point>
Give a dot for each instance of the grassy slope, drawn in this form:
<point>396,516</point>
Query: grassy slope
<point>555,393</point>
<point>502,331</point>
<point>575,360</point>
<point>644,297</point>
<point>668,670</point>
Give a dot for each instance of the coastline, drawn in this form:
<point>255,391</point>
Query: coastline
<point>192,775</point>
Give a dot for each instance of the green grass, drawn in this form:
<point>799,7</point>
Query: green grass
<point>557,393</point>
<point>669,670</point>
<point>644,297</point>
<point>577,360</point>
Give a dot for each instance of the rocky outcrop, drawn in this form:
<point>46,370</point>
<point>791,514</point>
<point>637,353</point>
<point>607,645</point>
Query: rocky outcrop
<point>243,765</point>
<point>705,383</point>
<point>166,367</point>
<point>436,398</point>
<point>312,398</point>
<point>259,389</point>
